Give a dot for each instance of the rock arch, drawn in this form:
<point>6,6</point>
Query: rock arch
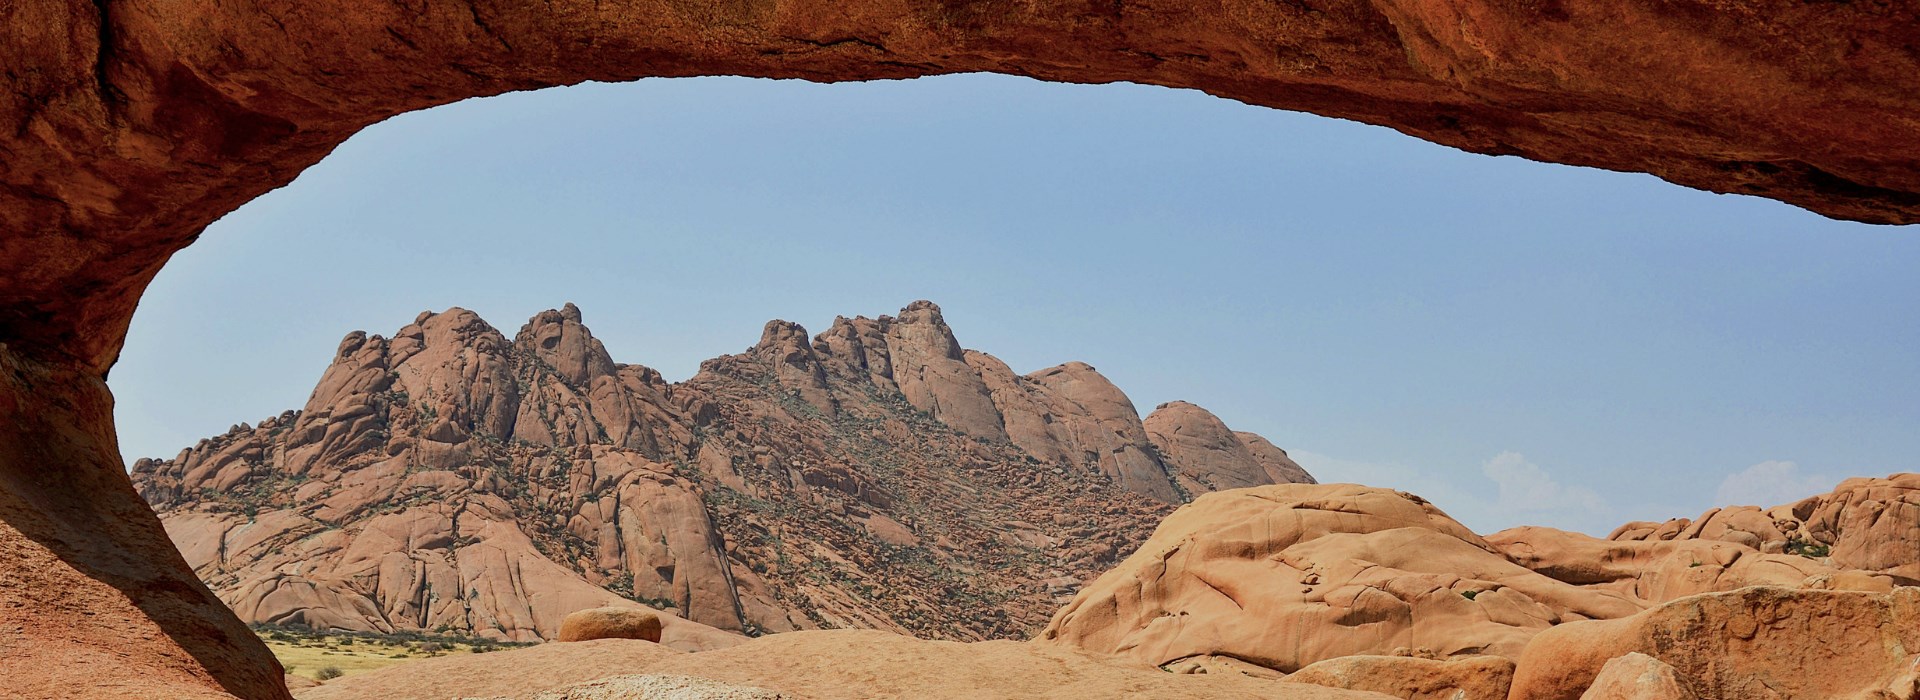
<point>127,126</point>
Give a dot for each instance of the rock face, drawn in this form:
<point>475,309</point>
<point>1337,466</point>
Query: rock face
<point>1343,580</point>
<point>128,133</point>
<point>1203,455</point>
<point>1636,676</point>
<point>1414,678</point>
<point>1868,524</point>
<point>1863,536</point>
<point>1751,643</point>
<point>94,601</point>
<point>1286,576</point>
<point>451,479</point>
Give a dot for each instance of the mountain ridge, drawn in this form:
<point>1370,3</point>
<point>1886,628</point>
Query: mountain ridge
<point>449,478</point>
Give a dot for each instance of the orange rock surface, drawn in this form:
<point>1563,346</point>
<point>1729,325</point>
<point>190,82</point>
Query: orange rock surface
<point>1414,678</point>
<point>1751,643</point>
<point>610,623</point>
<point>1340,584</point>
<point>1286,576</point>
<point>1636,676</point>
<point>1867,524</point>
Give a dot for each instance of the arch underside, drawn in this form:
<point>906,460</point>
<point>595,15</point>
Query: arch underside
<point>127,126</point>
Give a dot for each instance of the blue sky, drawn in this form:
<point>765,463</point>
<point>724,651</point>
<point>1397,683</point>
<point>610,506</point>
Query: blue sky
<point>1519,342</point>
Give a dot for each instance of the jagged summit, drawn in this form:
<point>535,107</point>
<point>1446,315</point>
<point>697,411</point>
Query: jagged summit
<point>875,475</point>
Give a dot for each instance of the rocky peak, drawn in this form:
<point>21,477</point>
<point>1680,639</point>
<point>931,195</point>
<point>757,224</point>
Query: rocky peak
<point>1280,467</point>
<point>921,330</point>
<point>438,477</point>
<point>560,340</point>
<point>784,347</point>
<point>932,372</point>
<point>1200,452</point>
<point>1101,423</point>
<point>455,368</point>
<point>856,348</point>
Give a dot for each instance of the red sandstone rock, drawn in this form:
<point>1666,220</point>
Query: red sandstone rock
<point>1284,577</point>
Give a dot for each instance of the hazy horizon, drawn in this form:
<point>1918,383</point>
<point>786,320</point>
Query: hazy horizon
<point>1521,343</point>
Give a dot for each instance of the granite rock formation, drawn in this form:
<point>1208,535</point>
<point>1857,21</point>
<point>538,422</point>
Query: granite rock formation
<point>1367,588</point>
<point>1868,524</point>
<point>127,127</point>
<point>1286,576</point>
<point>877,476</point>
<point>1758,642</point>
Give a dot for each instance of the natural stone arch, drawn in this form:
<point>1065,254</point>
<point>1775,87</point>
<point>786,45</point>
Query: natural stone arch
<point>127,126</point>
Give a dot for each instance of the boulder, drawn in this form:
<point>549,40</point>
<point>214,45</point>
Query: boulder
<point>1760,642</point>
<point>1414,678</point>
<point>1288,575</point>
<point>610,623</point>
<point>1636,676</point>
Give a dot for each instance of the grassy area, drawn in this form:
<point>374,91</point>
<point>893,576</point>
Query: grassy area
<point>311,654</point>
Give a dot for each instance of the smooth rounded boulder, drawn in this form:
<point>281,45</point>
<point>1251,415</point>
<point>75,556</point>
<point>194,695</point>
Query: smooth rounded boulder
<point>1287,575</point>
<point>611,623</point>
<point>1414,678</point>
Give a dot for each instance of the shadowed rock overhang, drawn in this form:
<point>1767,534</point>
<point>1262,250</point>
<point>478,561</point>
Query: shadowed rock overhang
<point>129,125</point>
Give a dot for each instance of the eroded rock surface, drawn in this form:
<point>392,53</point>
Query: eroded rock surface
<point>1286,576</point>
<point>610,623</point>
<point>1636,676</point>
<point>1204,455</point>
<point>1867,524</point>
<point>1414,678</point>
<point>128,130</point>
<point>449,478</point>
<point>1346,579</point>
<point>127,127</point>
<point>1751,643</point>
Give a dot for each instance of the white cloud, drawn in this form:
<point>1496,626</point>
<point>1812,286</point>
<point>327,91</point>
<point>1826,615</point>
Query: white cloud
<point>1770,483</point>
<point>1524,486</point>
<point>1508,491</point>
<point>1434,486</point>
